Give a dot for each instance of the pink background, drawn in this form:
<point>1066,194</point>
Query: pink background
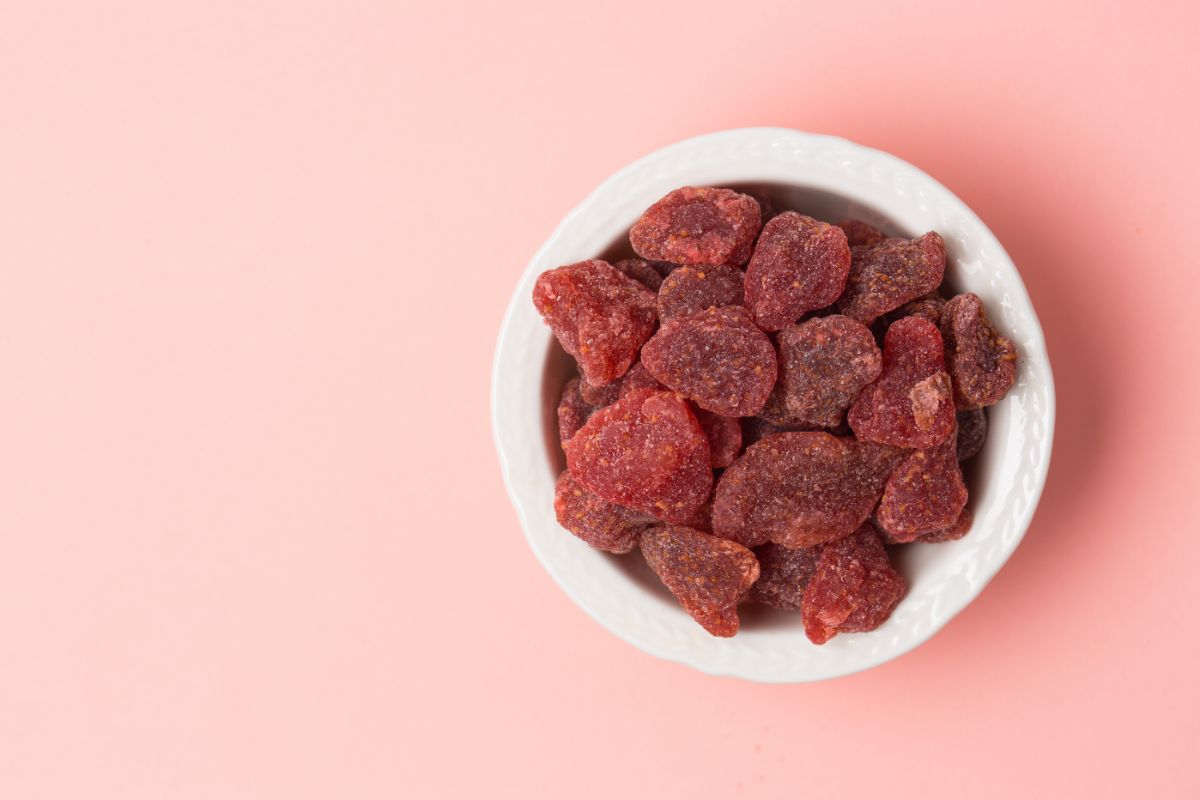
<point>253,539</point>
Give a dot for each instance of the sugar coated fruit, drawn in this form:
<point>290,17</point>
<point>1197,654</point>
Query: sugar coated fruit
<point>784,575</point>
<point>887,275</point>
<point>641,271</point>
<point>823,364</point>
<point>801,489</point>
<point>859,233</point>
<point>638,377</point>
<point>604,525</point>
<point>647,452</point>
<point>598,315</point>
<point>708,575</point>
<point>799,264</point>
<point>911,404</point>
<point>689,290</point>
<point>698,225</point>
<point>854,588</point>
<point>972,431</point>
<point>717,358</point>
<point>925,494</point>
<point>982,363</point>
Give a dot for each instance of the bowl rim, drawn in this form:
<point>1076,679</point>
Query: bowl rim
<point>1033,345</point>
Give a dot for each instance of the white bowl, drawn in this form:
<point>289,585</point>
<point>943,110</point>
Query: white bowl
<point>831,179</point>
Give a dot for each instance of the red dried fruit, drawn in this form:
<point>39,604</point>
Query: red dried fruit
<point>982,362</point>
<point>911,404</point>
<point>601,396</point>
<point>799,264</point>
<point>603,525</point>
<point>972,431</point>
<point>702,519</point>
<point>784,575</point>
<point>698,225</point>
<point>717,358</point>
<point>823,364</point>
<point>573,411</point>
<point>960,528</point>
<point>925,494</point>
<point>801,489</point>
<point>646,452</point>
<point>638,377</point>
<point>641,271</point>
<point>708,575</point>
<point>689,290</point>
<point>853,589</point>
<point>664,268</point>
<point>859,233</point>
<point>724,436</point>
<point>598,315</point>
<point>887,275</point>
<point>928,307</point>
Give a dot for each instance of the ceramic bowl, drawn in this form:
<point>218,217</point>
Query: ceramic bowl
<point>828,178</point>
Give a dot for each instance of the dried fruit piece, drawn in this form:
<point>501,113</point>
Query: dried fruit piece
<point>708,575</point>
<point>573,411</point>
<point>784,575</point>
<point>641,271</point>
<point>853,589</point>
<point>859,233</point>
<point>928,307</point>
<point>689,290</point>
<point>925,494</point>
<point>960,528</point>
<point>601,396</point>
<point>646,452</point>
<point>698,225</point>
<point>717,358</point>
<point>603,525</point>
<point>801,489</point>
<point>911,404</point>
<point>664,268</point>
<point>823,364</point>
<point>799,264</point>
<point>972,431</point>
<point>982,362</point>
<point>598,315</point>
<point>724,436</point>
<point>638,377</point>
<point>887,275</point>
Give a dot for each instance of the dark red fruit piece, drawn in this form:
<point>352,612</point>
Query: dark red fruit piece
<point>689,290</point>
<point>698,225</point>
<point>784,575</point>
<point>708,575</point>
<point>638,377</point>
<point>889,274</point>
<point>646,452</point>
<point>960,528</point>
<point>859,233</point>
<point>823,364</point>
<point>799,264</point>
<point>598,315</point>
<point>928,307</point>
<point>801,489</point>
<point>724,436</point>
<point>925,494</point>
<point>573,411</point>
<point>911,404</point>
<point>603,525</point>
<point>972,431</point>
<point>601,396</point>
<point>641,271</point>
<point>853,589</point>
<point>982,363</point>
<point>717,358</point>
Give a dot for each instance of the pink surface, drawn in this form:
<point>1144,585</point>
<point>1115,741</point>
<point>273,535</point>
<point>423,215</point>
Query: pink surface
<point>253,539</point>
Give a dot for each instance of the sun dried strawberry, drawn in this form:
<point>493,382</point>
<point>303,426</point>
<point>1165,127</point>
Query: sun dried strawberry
<point>784,575</point>
<point>911,404</point>
<point>982,363</point>
<point>598,315</point>
<point>859,233</point>
<point>799,264</point>
<point>854,588</point>
<point>972,431</point>
<point>573,411</point>
<point>823,364</point>
<point>708,575</point>
<point>716,358</point>
<point>647,452</point>
<point>925,494</point>
<point>724,436</point>
<point>698,225</point>
<point>603,525</point>
<point>889,274</point>
<point>689,290</point>
<point>641,271</point>
<point>801,489</point>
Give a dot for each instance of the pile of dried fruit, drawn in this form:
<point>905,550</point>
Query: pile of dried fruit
<point>766,403</point>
